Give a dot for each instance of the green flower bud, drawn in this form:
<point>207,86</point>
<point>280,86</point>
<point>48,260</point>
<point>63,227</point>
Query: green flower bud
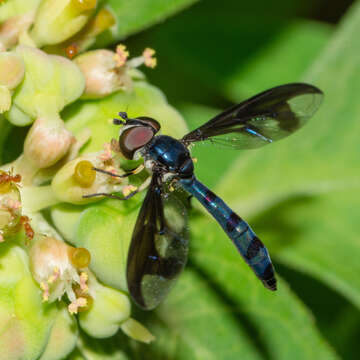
<point>12,28</point>
<point>102,75</point>
<point>50,83</point>
<point>57,21</point>
<point>65,218</point>
<point>105,230</point>
<point>47,141</point>
<point>11,8</point>
<point>11,74</point>
<point>17,117</point>
<point>63,336</point>
<point>25,321</point>
<point>73,181</point>
<point>103,20</point>
<point>137,331</point>
<point>109,309</point>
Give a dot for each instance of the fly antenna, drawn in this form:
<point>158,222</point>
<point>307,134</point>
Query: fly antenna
<point>123,119</point>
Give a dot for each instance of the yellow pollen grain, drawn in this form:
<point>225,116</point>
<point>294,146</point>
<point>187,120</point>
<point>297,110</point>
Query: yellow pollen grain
<point>45,287</point>
<point>84,174</point>
<point>87,306</point>
<point>83,279</point>
<point>55,275</point>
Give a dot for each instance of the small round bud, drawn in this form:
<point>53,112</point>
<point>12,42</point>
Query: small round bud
<point>84,173</point>
<point>47,141</point>
<point>79,257</point>
<point>57,21</point>
<point>11,28</point>
<point>102,74</point>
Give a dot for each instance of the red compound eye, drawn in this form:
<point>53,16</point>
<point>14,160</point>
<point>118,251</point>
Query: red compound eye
<point>152,122</point>
<point>134,138</point>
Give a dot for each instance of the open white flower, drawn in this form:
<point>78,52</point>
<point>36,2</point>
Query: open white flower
<point>60,269</point>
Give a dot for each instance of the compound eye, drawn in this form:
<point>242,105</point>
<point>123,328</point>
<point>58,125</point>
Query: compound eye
<point>134,138</point>
<point>152,122</point>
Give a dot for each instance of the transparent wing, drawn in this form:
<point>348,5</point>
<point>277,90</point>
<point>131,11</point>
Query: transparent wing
<point>159,247</point>
<point>262,119</point>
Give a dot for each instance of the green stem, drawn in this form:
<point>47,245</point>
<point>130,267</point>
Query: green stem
<point>36,198</point>
<point>24,167</point>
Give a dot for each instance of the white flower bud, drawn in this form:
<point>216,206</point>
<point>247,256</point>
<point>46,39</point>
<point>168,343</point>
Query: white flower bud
<point>11,29</point>
<point>102,74</point>
<point>47,141</point>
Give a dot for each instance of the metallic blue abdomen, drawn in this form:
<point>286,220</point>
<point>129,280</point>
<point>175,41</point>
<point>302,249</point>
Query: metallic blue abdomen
<point>172,154</point>
<point>239,231</point>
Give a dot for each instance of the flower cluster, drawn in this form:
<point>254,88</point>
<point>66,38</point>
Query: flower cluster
<point>54,229</point>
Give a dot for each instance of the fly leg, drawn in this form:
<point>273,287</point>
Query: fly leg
<point>142,187</point>
<point>131,172</point>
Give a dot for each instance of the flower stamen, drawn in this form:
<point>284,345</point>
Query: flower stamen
<point>149,59</point>
<point>121,55</point>
<point>83,282</point>
<point>74,306</point>
<point>45,288</point>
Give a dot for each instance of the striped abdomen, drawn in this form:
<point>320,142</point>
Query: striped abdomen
<point>248,244</point>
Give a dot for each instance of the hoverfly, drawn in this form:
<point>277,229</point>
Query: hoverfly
<point>159,245</point>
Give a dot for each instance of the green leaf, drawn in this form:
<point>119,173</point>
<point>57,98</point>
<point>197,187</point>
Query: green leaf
<point>136,15</point>
<point>318,235</point>
<point>283,60</point>
<point>207,46</point>
<point>286,327</point>
<point>318,162</point>
<point>195,323</point>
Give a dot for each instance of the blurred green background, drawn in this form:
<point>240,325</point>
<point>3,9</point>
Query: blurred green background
<point>300,195</point>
